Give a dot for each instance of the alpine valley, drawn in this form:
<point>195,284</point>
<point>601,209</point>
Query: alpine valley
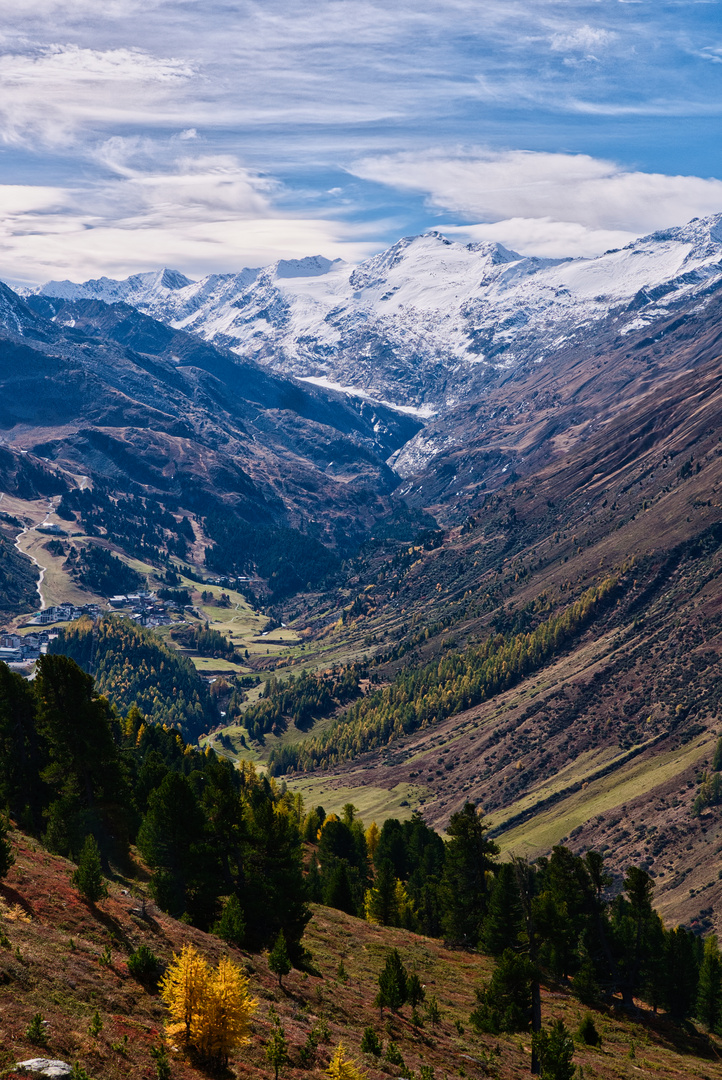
<point>437,529</point>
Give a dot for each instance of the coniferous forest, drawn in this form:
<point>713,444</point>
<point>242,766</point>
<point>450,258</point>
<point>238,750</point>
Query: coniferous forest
<point>234,853</point>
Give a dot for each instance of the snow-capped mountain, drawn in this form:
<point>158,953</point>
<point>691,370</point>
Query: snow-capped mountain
<point>425,322</point>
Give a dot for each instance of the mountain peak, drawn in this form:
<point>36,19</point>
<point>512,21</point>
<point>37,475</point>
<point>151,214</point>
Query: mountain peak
<point>309,266</point>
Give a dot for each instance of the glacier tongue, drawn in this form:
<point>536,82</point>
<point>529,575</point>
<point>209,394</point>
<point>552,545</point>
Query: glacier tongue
<point>421,324</point>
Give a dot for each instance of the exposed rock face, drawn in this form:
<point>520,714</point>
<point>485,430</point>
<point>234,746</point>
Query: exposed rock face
<point>44,1067</point>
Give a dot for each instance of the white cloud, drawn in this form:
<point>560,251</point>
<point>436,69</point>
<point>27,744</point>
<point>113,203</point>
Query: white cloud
<point>582,39</point>
<point>543,237</point>
<point>566,189</point>
<point>207,214</point>
<point>48,92</point>
<point>713,53</point>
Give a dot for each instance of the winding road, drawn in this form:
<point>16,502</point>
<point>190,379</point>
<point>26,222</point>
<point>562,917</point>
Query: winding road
<point>18,538</point>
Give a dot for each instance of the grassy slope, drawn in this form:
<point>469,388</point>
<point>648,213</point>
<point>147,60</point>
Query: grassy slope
<point>41,913</point>
<point>649,671</point>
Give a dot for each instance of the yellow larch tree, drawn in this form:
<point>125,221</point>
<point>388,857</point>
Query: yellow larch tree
<point>183,988</point>
<point>209,1009</point>
<point>372,838</point>
<point>342,1067</point>
<point>224,1022</point>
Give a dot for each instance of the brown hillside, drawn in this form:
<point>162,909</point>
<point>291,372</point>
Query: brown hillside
<point>53,966</point>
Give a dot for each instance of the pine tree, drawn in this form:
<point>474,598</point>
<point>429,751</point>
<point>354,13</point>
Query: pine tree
<point>162,1062</point>
<point>415,992</point>
<point>709,993</point>
<point>231,925</point>
<point>505,1005</point>
<point>6,851</point>
<point>717,759</point>
<point>337,891</point>
<point>342,1067</point>
<point>88,878</point>
<point>370,1042</point>
<point>555,1049</point>
<point>84,771</point>
<point>314,888</point>
<point>392,983</point>
<point>469,859</point>
<point>503,922</point>
<point>380,902</point>
<point>277,1047</point>
<point>278,958</point>
<point>683,952</point>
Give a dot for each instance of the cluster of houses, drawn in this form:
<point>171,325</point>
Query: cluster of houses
<point>145,608</point>
<point>64,613</point>
<point>20,649</point>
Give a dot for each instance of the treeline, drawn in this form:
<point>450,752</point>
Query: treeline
<point>302,700</point>
<point>557,919</point>
<point>420,697</point>
<point>204,641</point>
<point>133,666</point>
<point>138,524</point>
<point>286,558</point>
<point>223,844</point>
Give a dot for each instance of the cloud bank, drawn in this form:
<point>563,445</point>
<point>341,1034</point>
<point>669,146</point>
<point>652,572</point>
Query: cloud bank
<point>210,136</point>
<point>548,204</point>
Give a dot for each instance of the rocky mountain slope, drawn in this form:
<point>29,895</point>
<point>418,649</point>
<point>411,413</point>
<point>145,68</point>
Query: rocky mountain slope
<point>425,324</point>
<point>108,392</point>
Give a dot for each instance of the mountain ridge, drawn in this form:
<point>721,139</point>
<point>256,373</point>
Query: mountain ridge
<point>429,320</point>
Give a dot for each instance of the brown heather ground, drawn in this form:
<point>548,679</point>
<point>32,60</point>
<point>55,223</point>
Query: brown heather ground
<point>42,972</point>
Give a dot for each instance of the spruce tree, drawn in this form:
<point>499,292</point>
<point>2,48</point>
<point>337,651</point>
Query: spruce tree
<point>393,983</point>
<point>469,857</point>
<point>88,878</point>
<point>278,959</point>
<point>503,922</point>
<point>709,993</point>
<point>231,925</point>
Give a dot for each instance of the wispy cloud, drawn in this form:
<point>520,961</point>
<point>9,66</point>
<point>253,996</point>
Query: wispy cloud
<point>205,214</point>
<point>50,91</point>
<point>584,39</point>
<point>168,122</point>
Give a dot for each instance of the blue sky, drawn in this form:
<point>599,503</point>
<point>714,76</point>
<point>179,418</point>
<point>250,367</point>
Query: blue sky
<point>209,136</point>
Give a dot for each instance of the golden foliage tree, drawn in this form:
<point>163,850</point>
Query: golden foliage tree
<point>342,1067</point>
<point>209,1009</point>
<point>183,988</point>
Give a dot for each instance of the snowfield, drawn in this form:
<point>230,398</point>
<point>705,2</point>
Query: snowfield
<point>417,325</point>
